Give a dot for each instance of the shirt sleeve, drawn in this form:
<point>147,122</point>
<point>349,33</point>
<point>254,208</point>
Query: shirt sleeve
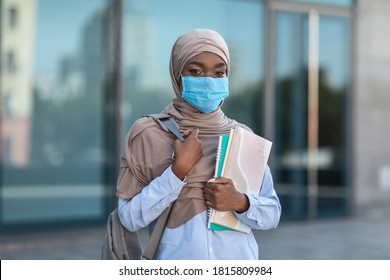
<point>264,209</point>
<point>148,205</point>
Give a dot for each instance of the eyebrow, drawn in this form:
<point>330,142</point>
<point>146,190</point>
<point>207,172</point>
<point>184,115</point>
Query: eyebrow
<point>221,64</point>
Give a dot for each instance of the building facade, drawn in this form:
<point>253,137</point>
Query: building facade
<point>310,75</point>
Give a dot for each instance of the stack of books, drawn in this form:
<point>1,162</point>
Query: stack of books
<point>242,157</point>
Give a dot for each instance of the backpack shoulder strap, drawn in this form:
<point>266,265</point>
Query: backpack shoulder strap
<point>167,123</point>
<point>154,240</point>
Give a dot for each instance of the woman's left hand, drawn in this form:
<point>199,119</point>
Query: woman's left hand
<point>222,195</point>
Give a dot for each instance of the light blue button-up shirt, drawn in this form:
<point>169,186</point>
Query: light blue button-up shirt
<point>193,240</point>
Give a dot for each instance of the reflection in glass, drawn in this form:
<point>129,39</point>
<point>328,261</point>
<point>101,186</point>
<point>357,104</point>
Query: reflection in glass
<point>291,113</point>
<point>333,111</point>
<point>291,89</point>
<point>51,111</point>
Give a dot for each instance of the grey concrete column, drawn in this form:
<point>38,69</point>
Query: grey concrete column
<point>371,108</point>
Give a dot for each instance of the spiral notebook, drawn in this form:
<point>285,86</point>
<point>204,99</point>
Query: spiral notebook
<point>242,156</point>
<point>221,152</point>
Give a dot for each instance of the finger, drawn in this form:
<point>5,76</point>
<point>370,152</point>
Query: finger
<point>210,186</point>
<point>217,182</point>
<point>195,132</point>
<point>222,180</point>
<point>186,132</point>
<point>209,204</point>
<point>207,192</point>
<point>207,197</point>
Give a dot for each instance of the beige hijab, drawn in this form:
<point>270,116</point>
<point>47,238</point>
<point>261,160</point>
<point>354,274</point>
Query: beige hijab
<point>148,149</point>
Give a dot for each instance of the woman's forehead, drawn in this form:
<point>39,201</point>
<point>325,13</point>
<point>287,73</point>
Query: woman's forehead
<point>207,58</point>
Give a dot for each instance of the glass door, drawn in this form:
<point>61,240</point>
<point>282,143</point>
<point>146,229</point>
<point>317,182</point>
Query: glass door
<point>310,82</point>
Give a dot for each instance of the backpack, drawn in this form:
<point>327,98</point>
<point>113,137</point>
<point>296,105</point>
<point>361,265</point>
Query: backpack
<point>121,244</point>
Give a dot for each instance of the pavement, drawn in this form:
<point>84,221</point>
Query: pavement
<point>351,238</point>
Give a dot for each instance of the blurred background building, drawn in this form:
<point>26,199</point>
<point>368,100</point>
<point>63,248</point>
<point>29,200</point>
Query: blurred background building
<point>313,76</point>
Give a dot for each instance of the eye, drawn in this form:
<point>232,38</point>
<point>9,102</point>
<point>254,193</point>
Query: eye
<point>220,73</point>
<point>195,72</point>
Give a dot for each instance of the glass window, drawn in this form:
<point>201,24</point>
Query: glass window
<point>56,86</point>
<point>333,111</point>
<point>51,160</point>
<point>292,114</point>
<point>291,111</point>
<point>150,28</point>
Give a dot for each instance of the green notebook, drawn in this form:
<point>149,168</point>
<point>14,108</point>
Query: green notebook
<point>222,145</point>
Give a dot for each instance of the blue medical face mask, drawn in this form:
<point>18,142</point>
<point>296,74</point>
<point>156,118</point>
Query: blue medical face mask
<point>204,93</point>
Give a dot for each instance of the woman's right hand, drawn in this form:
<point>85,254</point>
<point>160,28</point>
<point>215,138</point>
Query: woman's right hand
<point>187,153</point>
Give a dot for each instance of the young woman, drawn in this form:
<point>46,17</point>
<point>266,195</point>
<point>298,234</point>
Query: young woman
<point>151,178</point>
